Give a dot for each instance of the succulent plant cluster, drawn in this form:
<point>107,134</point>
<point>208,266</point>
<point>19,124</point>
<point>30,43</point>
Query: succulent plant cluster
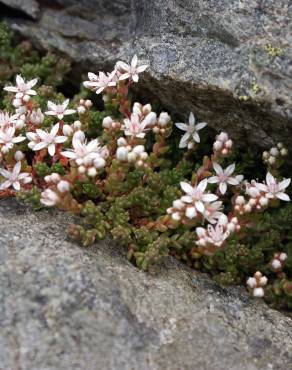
<point>125,172</point>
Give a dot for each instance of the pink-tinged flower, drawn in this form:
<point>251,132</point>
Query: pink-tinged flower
<point>196,195</point>
<point>6,120</point>
<point>274,189</point>
<point>224,177</point>
<point>42,139</point>
<point>14,178</point>
<point>100,82</point>
<point>49,198</point>
<point>133,127</point>
<point>59,110</point>
<point>130,71</point>
<point>22,88</point>
<point>213,211</point>
<point>191,131</point>
<point>84,153</point>
<point>36,117</point>
<point>214,235</point>
<point>7,139</point>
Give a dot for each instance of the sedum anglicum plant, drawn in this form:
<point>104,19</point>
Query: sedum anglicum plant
<point>124,172</point>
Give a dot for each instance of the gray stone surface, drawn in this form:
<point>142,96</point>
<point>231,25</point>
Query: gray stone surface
<point>203,54</point>
<point>66,307</point>
<point>28,7</point>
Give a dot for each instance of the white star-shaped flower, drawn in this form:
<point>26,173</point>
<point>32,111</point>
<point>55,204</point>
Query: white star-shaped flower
<point>59,110</point>
<point>7,120</point>
<point>196,195</point>
<point>275,189</point>
<point>224,177</point>
<point>100,82</point>
<point>22,87</point>
<point>130,71</point>
<point>14,177</point>
<point>191,131</point>
<point>7,138</point>
<point>42,139</point>
<point>133,127</point>
<point>83,152</point>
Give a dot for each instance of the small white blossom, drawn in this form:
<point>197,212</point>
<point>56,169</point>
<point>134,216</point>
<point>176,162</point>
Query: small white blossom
<point>133,127</point>
<point>196,195</point>
<point>42,139</point>
<point>8,139</point>
<point>275,189</point>
<point>191,131</point>
<point>14,177</point>
<point>86,153</point>
<point>100,82</point>
<point>59,110</point>
<point>36,117</point>
<point>7,120</point>
<point>22,88</point>
<point>130,71</point>
<point>224,177</point>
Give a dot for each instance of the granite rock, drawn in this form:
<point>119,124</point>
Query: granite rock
<point>205,55</point>
<point>66,307</point>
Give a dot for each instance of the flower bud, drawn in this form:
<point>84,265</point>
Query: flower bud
<point>99,163</point>
<point>132,157</point>
<point>163,119</point>
<point>191,212</point>
<point>91,172</point>
<point>107,122</point>
<point>139,149</point>
<point>79,135</point>
<point>77,125</point>
<point>274,152</point>
<point>284,152</point>
<point>223,136</point>
<point>137,108</point>
<point>121,141</point>
<point>67,130</point>
<point>18,156</point>
<point>150,119</point>
<point>63,186</point>
<point>122,153</point>
<point>146,109</point>
<point>81,109</point>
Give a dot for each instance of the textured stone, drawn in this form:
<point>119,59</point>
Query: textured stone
<point>203,54</point>
<point>29,7</point>
<point>66,307</point>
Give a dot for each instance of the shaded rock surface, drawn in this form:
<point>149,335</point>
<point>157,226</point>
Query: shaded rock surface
<point>66,307</point>
<point>204,54</point>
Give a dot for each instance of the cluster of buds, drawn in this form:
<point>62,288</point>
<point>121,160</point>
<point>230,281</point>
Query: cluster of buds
<point>69,130</point>
<point>110,125</point>
<point>162,123</point>
<point>223,145</point>
<point>56,190</point>
<point>257,201</point>
<point>256,283</point>
<point>278,262</point>
<point>132,154</point>
<point>274,154</point>
<point>83,106</point>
